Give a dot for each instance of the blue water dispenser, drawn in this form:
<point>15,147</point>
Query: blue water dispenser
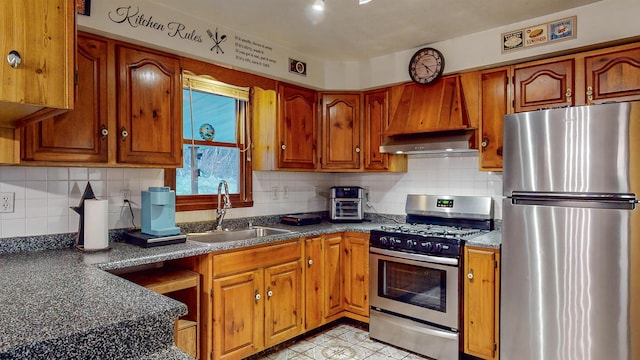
<point>159,211</point>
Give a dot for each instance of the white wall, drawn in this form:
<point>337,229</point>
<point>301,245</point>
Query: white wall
<point>44,195</point>
<point>603,21</point>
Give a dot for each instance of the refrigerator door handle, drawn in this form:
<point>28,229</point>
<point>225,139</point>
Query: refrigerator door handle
<point>622,203</point>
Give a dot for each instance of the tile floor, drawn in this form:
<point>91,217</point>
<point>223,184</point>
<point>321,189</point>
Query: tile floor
<point>340,342</point>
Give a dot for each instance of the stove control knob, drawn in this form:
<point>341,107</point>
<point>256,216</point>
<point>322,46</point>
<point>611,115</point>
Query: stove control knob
<point>411,243</point>
<point>438,248</point>
<point>384,240</point>
<point>427,245</point>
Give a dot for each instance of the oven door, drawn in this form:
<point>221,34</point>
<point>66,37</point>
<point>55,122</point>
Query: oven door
<point>418,286</point>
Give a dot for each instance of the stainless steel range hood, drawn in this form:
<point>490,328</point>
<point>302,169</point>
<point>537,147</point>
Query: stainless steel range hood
<point>436,143</point>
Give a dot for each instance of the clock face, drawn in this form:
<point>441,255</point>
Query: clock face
<point>426,66</point>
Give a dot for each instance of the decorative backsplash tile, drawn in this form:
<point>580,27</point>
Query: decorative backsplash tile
<point>43,196</point>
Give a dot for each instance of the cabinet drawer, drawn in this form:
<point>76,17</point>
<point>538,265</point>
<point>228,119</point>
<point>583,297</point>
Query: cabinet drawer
<point>244,260</point>
<point>186,338</point>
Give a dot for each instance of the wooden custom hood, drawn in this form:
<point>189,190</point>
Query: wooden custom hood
<point>429,119</point>
<point>437,107</point>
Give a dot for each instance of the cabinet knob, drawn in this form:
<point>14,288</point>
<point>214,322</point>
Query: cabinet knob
<point>257,296</point>
<point>485,142</point>
<point>357,149</point>
<point>470,275</point>
<point>14,59</point>
<point>283,147</point>
<point>269,293</point>
<point>589,95</point>
<point>124,133</point>
<point>309,262</point>
<point>104,132</point>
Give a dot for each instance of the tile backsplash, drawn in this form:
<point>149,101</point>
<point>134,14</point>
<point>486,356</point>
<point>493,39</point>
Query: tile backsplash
<point>44,195</point>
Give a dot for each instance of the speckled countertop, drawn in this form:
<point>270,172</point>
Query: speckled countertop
<point>61,304</point>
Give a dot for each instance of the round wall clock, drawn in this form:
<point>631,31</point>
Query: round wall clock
<point>426,66</point>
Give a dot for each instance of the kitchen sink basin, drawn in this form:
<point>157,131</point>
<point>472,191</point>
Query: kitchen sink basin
<point>233,235</point>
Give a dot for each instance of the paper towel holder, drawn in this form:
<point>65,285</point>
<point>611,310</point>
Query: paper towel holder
<point>79,241</point>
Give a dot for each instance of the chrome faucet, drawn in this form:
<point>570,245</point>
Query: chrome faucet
<point>222,209</point>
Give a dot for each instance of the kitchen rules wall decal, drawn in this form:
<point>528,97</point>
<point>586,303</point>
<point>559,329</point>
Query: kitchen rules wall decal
<point>217,41</point>
<point>543,34</point>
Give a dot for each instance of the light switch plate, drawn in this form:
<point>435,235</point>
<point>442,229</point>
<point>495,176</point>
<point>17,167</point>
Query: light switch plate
<point>7,201</point>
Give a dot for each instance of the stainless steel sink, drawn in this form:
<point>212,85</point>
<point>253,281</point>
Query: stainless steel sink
<point>233,235</point>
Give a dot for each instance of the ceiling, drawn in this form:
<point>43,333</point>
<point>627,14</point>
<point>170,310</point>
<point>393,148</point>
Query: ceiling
<point>347,31</point>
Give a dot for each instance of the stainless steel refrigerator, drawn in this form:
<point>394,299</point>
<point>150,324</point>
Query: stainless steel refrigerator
<point>570,278</point>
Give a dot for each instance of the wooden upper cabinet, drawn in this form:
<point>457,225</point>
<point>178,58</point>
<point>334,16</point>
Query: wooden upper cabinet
<point>341,131</point>
<point>613,75</point>
<point>544,84</point>
<point>81,134</point>
<point>149,94</point>
<point>42,32</point>
<point>376,120</point>
<point>297,128</point>
<point>496,103</point>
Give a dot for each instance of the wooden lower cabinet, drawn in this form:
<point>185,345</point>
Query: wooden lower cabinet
<point>257,300</point>
<point>356,273</point>
<point>481,302</point>
<point>253,299</point>
<point>333,276</point>
<point>184,286</point>
<point>313,283</point>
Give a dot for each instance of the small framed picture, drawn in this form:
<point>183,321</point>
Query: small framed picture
<point>83,7</point>
<point>563,29</point>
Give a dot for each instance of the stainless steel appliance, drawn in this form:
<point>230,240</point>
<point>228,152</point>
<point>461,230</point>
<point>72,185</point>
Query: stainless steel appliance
<point>415,273</point>
<point>346,204</point>
<point>571,234</point>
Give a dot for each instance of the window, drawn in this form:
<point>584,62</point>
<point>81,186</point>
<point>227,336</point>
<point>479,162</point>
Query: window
<point>215,145</point>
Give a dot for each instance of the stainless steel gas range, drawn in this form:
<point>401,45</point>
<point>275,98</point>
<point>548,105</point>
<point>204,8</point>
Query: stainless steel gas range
<point>415,273</point>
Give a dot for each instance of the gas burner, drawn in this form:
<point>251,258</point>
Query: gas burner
<point>430,230</point>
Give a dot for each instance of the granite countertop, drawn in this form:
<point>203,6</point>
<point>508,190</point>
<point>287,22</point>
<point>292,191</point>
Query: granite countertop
<point>62,304</point>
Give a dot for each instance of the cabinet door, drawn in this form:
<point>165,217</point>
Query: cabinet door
<point>283,302</point>
<point>341,131</point>
<point>313,283</point>
<point>43,33</point>
<point>376,120</point>
<point>496,103</point>
<point>149,108</point>
<point>481,307</point>
<point>297,128</point>
<point>613,76</point>
<point>544,85</point>
<point>238,315</point>
<point>76,135</point>
<point>356,274</point>
<point>333,278</point>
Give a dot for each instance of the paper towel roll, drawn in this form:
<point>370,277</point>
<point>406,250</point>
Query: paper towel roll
<point>96,224</point>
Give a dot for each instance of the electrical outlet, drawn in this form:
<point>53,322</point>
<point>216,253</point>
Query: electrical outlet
<point>285,192</point>
<point>316,193</point>
<point>125,195</point>
<point>7,202</point>
<point>274,193</point>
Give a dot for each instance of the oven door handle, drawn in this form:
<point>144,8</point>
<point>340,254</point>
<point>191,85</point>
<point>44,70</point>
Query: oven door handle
<point>416,257</point>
